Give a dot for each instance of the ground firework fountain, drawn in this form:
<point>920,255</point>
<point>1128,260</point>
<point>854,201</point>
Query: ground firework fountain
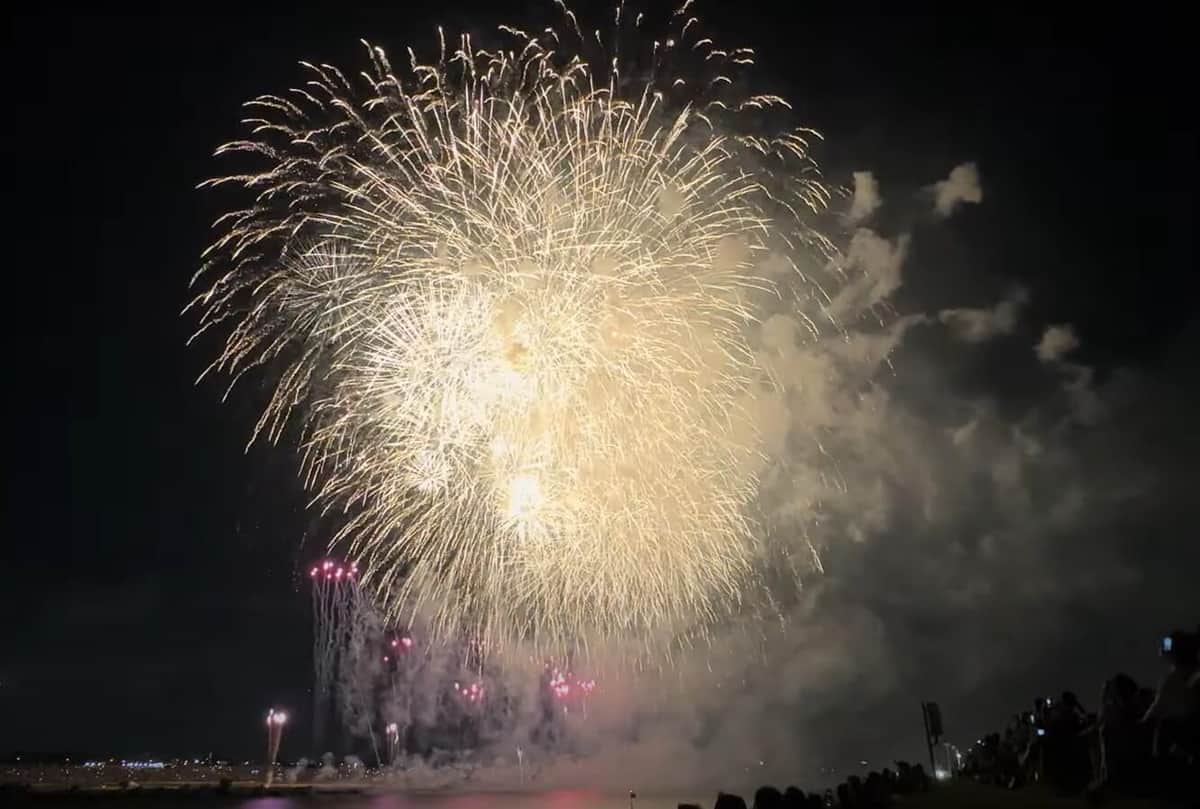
<point>276,719</point>
<point>392,732</point>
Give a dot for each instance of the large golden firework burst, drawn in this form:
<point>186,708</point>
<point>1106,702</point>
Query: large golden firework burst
<point>506,297</point>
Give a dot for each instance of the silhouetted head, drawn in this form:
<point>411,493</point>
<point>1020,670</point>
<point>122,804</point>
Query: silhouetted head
<point>768,797</point>
<point>1124,687</point>
<point>727,801</point>
<point>793,798</point>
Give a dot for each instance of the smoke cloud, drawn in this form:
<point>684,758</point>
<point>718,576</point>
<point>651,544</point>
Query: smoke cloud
<point>866,197</point>
<point>1056,342</point>
<point>961,186</point>
<point>979,325</point>
<point>919,521</point>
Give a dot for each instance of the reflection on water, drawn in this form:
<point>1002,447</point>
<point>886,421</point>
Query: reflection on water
<point>560,799</point>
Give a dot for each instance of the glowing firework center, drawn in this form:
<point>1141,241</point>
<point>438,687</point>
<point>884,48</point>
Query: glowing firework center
<point>512,298</point>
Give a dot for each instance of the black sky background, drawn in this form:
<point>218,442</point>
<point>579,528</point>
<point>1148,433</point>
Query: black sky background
<point>149,568</point>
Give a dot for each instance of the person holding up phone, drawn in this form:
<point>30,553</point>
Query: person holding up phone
<point>1175,701</point>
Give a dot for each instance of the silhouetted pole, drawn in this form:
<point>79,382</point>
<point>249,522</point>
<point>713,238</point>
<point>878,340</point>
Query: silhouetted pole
<point>928,738</point>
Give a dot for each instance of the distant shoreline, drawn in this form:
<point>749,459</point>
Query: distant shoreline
<point>181,789</point>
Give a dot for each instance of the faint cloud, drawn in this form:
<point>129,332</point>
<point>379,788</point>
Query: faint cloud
<point>978,325</point>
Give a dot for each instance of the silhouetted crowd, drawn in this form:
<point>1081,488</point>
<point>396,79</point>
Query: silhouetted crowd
<point>875,791</point>
<point>1141,741</point>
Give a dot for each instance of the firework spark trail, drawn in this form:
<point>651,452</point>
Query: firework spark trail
<point>507,298</point>
<point>360,671</point>
<point>335,598</point>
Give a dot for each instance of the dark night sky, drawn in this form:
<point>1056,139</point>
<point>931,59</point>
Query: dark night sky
<point>149,567</point>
